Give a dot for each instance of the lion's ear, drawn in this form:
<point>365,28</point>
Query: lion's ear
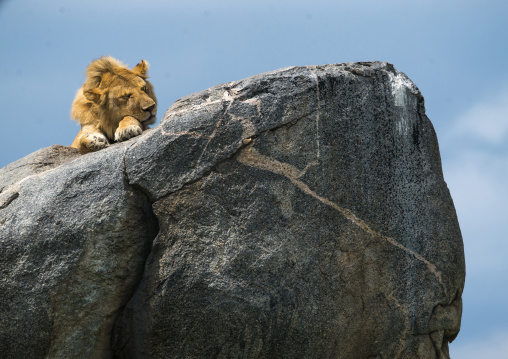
<point>93,95</point>
<point>141,69</point>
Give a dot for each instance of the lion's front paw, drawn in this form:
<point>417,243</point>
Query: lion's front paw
<point>94,141</point>
<point>124,133</point>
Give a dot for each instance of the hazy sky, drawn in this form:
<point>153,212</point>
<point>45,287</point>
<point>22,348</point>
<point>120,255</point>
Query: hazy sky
<point>455,51</point>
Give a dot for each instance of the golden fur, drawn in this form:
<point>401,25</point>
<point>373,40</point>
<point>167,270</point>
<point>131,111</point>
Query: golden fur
<point>114,104</point>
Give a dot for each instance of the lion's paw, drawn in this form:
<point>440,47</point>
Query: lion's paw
<point>95,141</point>
<point>124,133</point>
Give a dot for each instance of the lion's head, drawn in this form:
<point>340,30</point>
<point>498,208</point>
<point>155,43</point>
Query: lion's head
<point>112,92</point>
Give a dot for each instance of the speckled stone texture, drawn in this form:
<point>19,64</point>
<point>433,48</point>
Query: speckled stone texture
<point>300,213</point>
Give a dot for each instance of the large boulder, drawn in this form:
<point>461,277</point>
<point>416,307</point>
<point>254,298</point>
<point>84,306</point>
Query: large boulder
<point>300,213</point>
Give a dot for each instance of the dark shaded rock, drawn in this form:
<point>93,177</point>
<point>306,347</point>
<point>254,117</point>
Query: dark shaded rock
<point>302,214</point>
<point>73,245</point>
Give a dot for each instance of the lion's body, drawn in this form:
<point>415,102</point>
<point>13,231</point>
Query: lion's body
<point>114,104</point>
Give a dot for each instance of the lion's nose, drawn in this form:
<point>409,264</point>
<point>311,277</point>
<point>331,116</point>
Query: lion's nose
<point>148,108</point>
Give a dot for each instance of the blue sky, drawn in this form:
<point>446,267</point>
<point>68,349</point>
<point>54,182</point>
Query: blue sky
<point>456,52</point>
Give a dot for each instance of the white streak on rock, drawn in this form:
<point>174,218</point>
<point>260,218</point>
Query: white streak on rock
<point>402,91</point>
<point>315,77</point>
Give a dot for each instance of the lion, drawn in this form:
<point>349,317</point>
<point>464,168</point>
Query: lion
<point>113,105</point>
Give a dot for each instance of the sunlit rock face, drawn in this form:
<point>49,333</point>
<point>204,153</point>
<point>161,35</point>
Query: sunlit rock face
<point>300,213</point>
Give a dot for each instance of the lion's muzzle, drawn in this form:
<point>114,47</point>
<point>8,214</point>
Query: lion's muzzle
<point>148,108</point>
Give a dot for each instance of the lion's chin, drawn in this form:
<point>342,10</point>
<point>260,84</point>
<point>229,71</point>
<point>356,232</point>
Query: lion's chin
<point>150,121</point>
<point>145,118</point>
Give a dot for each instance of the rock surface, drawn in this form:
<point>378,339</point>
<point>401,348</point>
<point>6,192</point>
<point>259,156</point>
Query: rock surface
<point>300,213</point>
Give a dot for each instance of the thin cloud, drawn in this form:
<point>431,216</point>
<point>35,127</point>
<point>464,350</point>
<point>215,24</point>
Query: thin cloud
<point>486,121</point>
<point>476,161</point>
<point>478,182</point>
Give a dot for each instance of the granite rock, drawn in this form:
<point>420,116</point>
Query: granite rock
<point>300,213</point>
